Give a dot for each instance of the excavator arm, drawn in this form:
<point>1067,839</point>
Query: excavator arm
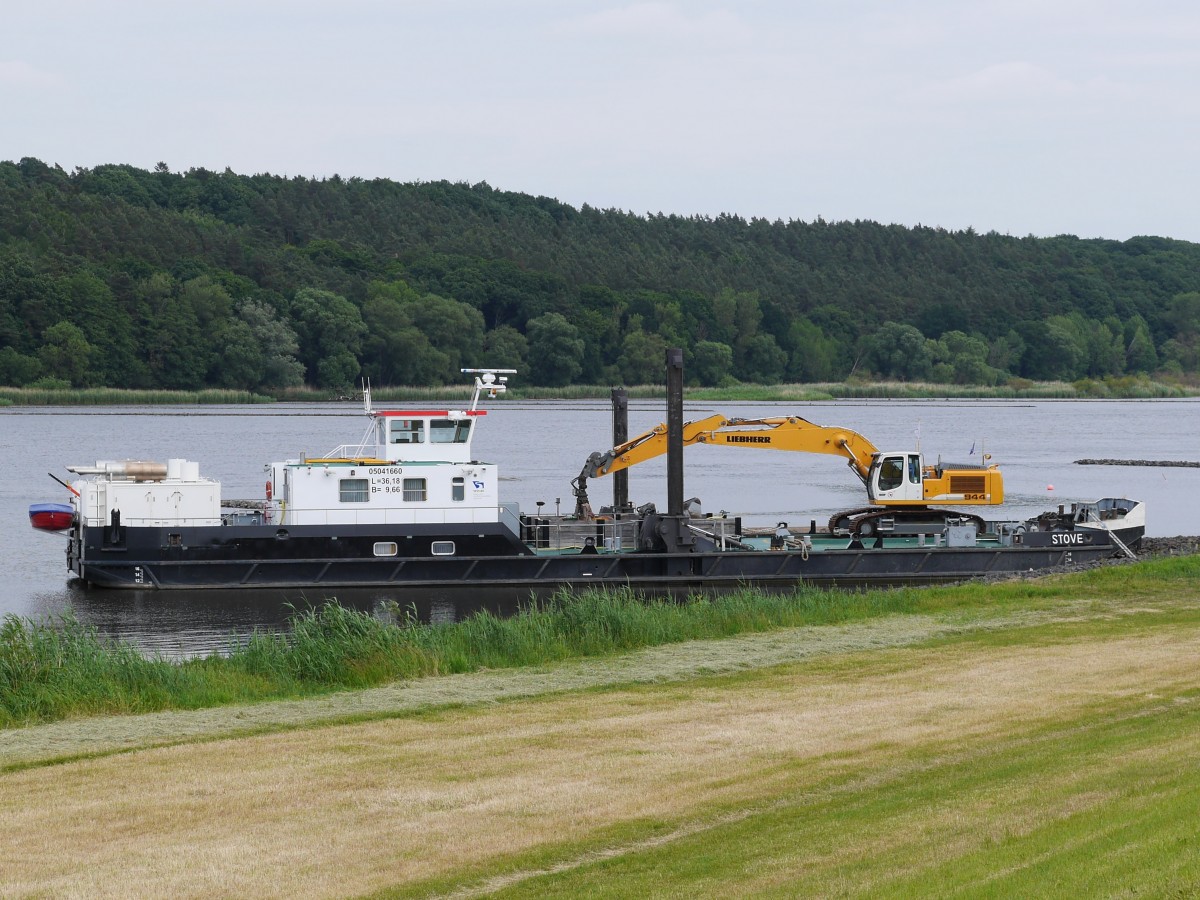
<point>773,433</point>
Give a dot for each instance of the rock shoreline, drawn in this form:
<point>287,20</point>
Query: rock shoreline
<point>1181,545</point>
<point>1150,547</point>
<point>1177,463</point>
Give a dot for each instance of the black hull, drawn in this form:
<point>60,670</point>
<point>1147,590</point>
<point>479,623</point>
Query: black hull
<point>490,559</point>
<point>1131,537</point>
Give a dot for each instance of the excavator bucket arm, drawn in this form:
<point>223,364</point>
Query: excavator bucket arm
<point>636,450</point>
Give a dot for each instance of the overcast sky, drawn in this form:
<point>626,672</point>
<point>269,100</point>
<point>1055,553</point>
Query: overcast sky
<point>1022,117</point>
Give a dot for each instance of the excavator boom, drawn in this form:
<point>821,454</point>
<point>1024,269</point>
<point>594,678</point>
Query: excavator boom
<point>796,434</point>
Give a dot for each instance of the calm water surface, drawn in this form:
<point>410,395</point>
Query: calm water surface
<point>539,448</point>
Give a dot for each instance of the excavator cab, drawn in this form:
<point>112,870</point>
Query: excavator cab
<point>902,479</point>
<point>895,478</point>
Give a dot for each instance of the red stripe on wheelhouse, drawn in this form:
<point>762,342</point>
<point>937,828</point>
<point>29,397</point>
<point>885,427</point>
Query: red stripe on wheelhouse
<point>426,413</point>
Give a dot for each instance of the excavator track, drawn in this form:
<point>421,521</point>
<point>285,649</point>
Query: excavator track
<point>847,520</point>
<point>871,521</point>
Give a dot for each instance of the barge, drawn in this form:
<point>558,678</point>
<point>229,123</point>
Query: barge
<point>410,508</point>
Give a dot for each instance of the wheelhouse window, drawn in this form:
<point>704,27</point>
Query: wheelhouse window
<point>406,431</point>
<point>353,490</point>
<point>442,548</point>
<point>448,431</point>
<point>386,548</point>
<point>458,489</point>
<point>414,489</point>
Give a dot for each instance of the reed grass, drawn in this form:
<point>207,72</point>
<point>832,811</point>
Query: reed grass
<point>50,671</point>
<point>1016,389</point>
<point>1124,388</point>
<point>121,397</point>
<point>1130,387</point>
<point>61,668</point>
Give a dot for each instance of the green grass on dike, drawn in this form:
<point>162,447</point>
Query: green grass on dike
<point>1100,803</point>
<point>1096,801</point>
<point>60,669</point>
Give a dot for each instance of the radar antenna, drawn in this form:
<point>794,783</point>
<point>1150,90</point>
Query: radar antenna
<point>494,381</point>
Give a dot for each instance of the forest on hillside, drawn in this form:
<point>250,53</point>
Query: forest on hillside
<point>121,277</point>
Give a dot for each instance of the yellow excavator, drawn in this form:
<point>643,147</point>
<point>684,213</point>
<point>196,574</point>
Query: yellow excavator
<point>907,495</point>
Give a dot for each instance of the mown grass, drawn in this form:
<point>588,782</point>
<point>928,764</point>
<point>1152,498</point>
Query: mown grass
<point>10,396</point>
<point>1098,804</point>
<point>60,669</point>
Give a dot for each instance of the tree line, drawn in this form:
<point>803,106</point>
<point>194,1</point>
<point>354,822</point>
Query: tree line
<point>123,277</point>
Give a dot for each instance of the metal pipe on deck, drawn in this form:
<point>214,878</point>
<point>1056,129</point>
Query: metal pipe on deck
<point>136,469</point>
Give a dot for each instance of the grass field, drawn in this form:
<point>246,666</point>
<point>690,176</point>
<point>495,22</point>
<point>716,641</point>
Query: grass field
<point>1044,744</point>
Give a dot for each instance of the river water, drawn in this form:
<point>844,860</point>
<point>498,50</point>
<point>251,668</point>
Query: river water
<point>539,447</point>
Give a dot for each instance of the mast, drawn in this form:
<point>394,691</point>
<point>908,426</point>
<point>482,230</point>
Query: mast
<point>675,432</point>
<point>620,408</point>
